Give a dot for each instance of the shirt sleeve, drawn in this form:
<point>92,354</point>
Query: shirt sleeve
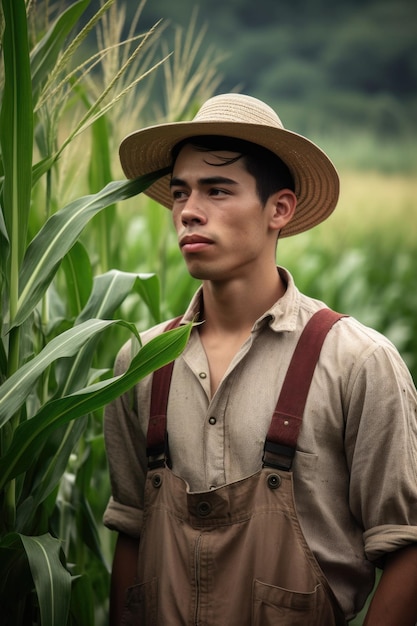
<point>381,444</point>
<point>125,447</point>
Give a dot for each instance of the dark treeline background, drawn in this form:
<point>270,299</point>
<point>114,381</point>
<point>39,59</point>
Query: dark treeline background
<point>325,65</point>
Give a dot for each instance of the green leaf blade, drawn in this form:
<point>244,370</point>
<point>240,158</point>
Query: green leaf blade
<point>78,278</point>
<point>47,471</point>
<point>52,580</point>
<point>108,293</point>
<point>45,54</point>
<point>15,389</point>
<point>59,234</point>
<point>16,126</point>
<point>32,433</point>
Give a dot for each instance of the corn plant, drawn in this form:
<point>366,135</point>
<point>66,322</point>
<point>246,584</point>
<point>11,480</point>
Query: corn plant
<point>52,382</point>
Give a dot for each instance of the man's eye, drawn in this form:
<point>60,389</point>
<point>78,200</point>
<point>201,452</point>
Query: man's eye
<point>178,194</point>
<point>218,192</point>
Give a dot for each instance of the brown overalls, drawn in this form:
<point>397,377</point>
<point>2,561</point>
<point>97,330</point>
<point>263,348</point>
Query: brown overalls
<point>236,555</point>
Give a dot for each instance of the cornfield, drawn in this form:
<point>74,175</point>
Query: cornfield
<point>87,261</point>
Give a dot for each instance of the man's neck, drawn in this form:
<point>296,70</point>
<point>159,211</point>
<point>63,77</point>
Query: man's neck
<point>235,306</point>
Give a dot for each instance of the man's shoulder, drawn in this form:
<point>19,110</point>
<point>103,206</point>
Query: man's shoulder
<point>351,331</point>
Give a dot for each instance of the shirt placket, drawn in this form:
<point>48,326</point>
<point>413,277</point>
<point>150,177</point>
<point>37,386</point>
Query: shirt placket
<point>215,430</point>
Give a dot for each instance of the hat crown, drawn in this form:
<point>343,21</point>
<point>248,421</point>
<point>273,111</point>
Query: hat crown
<point>316,183</point>
<point>239,109</point>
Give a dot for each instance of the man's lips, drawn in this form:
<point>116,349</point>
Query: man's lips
<point>194,243</point>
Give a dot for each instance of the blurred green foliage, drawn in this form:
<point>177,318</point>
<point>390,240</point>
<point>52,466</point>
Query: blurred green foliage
<point>341,68</point>
<point>366,47</point>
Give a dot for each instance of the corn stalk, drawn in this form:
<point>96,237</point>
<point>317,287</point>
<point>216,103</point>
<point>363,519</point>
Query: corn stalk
<point>52,387</point>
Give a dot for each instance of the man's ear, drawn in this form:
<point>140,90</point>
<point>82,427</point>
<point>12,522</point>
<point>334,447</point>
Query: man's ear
<point>282,207</point>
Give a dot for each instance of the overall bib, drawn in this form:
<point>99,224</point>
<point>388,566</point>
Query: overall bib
<point>235,555</point>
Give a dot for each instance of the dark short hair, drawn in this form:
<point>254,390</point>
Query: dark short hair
<point>269,171</point>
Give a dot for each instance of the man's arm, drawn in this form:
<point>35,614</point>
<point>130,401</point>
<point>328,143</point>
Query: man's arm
<point>123,575</point>
<point>395,599</point>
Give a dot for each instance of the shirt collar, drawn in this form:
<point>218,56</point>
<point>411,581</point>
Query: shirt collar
<point>282,316</point>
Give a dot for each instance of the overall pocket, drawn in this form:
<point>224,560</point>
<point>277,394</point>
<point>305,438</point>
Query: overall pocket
<point>141,604</point>
<point>275,605</point>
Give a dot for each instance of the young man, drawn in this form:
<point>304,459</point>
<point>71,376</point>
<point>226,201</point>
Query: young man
<point>219,527</point>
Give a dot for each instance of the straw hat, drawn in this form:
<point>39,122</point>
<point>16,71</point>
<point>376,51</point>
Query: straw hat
<point>236,115</point>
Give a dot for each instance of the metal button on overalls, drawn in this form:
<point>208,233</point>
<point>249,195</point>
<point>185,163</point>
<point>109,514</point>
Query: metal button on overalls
<point>203,508</point>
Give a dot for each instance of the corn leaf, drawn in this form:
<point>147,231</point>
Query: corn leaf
<point>46,471</point>
<point>16,126</point>
<point>99,175</point>
<point>16,388</point>
<point>15,574</point>
<point>82,600</point>
<point>58,235</point>
<point>41,167</point>
<point>149,290</point>
<point>52,580</point>
<point>78,278</point>
<point>45,54</point>
<point>30,435</point>
<point>87,527</point>
<point>109,291</point>
<point>86,474</point>
<point>83,500</point>
<point>4,245</point>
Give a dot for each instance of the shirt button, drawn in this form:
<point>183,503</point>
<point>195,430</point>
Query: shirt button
<point>212,420</point>
<point>202,375</point>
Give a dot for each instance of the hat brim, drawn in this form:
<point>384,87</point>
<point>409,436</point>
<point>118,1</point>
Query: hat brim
<point>315,177</point>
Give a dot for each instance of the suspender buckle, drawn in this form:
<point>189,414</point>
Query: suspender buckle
<point>278,456</point>
<point>156,463</point>
<point>158,455</point>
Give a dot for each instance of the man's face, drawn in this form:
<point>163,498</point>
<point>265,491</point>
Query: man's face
<point>222,228</point>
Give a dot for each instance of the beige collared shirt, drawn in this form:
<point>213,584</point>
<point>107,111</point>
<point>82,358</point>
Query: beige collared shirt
<point>355,469</point>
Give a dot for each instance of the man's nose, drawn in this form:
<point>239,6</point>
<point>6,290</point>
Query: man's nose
<point>193,211</point>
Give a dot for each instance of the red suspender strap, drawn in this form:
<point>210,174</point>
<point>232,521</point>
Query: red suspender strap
<point>157,438</point>
<point>283,432</point>
<point>286,421</point>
